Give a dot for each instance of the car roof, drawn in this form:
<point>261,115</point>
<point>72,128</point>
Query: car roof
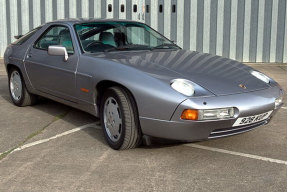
<point>86,20</point>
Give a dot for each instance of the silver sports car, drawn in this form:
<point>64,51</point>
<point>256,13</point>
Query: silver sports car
<point>138,82</point>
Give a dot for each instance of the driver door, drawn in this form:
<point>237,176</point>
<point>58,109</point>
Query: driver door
<point>52,74</point>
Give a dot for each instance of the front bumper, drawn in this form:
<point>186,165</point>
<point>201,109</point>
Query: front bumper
<point>247,104</point>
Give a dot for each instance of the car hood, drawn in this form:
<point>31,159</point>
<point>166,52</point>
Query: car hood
<point>219,75</point>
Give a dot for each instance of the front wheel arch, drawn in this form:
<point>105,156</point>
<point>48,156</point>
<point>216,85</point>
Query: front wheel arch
<point>105,84</point>
<point>131,135</point>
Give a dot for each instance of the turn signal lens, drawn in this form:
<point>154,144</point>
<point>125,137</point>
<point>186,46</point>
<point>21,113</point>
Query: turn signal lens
<point>278,102</point>
<point>189,114</point>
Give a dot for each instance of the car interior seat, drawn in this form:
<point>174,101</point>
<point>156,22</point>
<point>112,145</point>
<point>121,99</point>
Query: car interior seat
<point>120,39</point>
<point>66,40</point>
<point>107,38</point>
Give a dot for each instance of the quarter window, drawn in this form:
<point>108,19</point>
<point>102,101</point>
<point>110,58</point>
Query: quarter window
<point>57,35</point>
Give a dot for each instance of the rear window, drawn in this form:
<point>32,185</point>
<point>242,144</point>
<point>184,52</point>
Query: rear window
<point>25,37</point>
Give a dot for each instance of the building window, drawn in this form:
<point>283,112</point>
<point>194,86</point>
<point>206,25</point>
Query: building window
<point>173,8</point>
<point>135,8</point>
<point>160,8</point>
<point>122,8</point>
<point>110,8</point>
<point>147,8</point>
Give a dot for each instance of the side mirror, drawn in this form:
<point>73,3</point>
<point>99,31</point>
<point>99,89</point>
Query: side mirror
<point>58,50</point>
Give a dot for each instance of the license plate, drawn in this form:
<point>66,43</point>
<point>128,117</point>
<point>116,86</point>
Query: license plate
<point>251,119</point>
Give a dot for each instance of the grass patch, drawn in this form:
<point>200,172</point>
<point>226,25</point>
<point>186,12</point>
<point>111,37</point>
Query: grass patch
<point>3,155</point>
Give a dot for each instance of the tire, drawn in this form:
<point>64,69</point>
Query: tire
<point>119,119</point>
<point>17,89</point>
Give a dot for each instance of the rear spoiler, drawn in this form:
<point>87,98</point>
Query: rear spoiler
<point>18,36</point>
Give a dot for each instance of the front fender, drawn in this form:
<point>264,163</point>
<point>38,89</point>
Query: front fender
<point>155,98</point>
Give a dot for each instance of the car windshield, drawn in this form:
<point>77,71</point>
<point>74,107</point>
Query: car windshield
<point>118,36</point>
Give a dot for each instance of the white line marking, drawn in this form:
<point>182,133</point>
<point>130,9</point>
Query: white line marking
<point>91,125</point>
<point>238,154</point>
<point>284,107</point>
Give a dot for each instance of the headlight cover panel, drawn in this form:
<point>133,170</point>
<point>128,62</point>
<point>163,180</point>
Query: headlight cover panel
<point>198,90</point>
<point>261,76</point>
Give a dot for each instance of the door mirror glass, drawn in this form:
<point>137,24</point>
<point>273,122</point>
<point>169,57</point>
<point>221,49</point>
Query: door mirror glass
<point>58,50</point>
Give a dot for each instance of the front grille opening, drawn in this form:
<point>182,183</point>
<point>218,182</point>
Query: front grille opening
<point>217,133</point>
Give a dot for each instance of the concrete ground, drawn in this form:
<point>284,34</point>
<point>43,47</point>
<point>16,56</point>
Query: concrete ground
<point>52,152</point>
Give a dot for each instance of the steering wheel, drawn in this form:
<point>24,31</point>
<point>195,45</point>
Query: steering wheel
<point>96,45</point>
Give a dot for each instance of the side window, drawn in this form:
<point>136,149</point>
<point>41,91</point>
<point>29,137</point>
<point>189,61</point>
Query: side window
<point>57,35</point>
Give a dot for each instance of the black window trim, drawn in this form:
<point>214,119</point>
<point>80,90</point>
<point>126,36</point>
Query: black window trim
<point>122,8</point>
<point>47,30</point>
<point>110,8</point>
<point>81,23</point>
<point>35,30</point>
<point>147,8</point>
<point>135,8</point>
<point>173,8</point>
<point>160,8</point>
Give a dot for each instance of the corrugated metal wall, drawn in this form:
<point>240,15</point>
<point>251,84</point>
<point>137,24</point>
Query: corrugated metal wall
<point>245,30</point>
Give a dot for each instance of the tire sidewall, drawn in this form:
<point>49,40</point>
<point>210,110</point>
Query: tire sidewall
<point>20,101</point>
<point>111,93</point>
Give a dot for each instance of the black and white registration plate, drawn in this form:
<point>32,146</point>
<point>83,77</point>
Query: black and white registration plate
<point>251,119</point>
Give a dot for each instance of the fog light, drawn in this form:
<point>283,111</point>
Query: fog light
<point>278,102</point>
<point>210,114</point>
<point>189,114</point>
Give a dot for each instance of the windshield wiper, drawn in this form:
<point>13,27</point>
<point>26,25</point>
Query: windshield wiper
<point>169,45</point>
<point>126,47</point>
<point>115,49</point>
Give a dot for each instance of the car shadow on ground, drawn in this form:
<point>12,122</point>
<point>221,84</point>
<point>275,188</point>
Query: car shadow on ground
<point>54,109</point>
<point>71,115</point>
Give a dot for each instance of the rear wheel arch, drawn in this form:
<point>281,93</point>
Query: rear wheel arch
<point>9,67</point>
<point>26,98</point>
